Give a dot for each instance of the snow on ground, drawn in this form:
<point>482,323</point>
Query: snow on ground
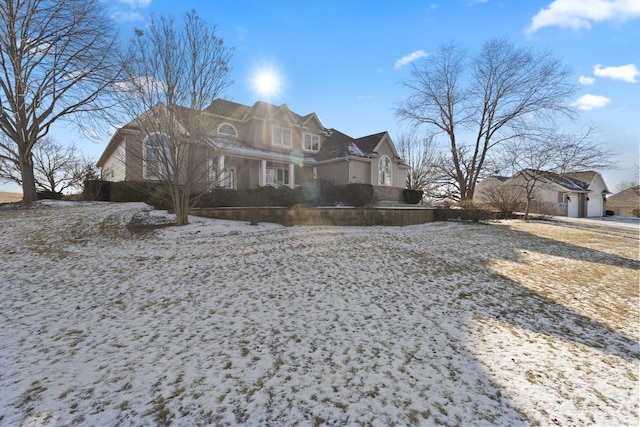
<point>223,323</point>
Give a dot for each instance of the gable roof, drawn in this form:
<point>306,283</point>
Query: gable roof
<point>368,144</point>
<point>229,109</point>
<point>497,178</point>
<point>571,181</point>
<point>630,196</point>
<point>338,145</point>
<point>584,176</point>
<point>259,110</point>
<point>566,181</point>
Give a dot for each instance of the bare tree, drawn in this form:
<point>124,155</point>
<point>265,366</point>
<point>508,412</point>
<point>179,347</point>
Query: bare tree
<point>56,167</point>
<point>174,72</point>
<point>632,181</point>
<point>420,155</point>
<point>58,59</point>
<point>536,161</point>
<point>480,102</point>
<point>506,198</point>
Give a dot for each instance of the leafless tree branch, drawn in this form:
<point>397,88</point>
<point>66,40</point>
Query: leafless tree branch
<point>482,102</point>
<point>58,60</point>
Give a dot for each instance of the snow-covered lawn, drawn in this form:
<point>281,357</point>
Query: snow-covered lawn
<point>223,323</point>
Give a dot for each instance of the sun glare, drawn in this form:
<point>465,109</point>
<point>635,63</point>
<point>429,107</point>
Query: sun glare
<point>267,83</point>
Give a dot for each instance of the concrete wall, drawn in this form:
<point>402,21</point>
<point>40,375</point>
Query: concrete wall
<point>322,216</point>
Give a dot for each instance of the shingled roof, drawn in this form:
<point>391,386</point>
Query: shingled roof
<point>367,144</point>
<point>630,196</point>
<point>342,145</point>
<point>260,110</point>
<point>572,181</point>
<point>222,107</point>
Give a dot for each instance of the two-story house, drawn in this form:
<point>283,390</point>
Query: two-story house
<point>265,144</point>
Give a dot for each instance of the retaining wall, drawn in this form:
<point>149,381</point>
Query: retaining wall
<point>322,216</point>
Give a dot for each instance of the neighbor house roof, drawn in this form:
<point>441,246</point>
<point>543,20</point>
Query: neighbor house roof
<point>584,176</point>
<point>565,180</point>
<point>628,197</point>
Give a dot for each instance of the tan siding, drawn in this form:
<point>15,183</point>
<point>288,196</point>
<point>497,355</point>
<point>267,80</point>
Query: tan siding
<point>134,159</point>
<point>360,172</point>
<point>114,167</point>
<point>337,172</point>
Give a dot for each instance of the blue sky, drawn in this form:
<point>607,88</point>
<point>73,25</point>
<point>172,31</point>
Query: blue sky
<point>344,60</point>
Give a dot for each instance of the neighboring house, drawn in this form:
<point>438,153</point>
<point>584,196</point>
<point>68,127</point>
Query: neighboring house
<point>576,194</point>
<point>625,203</point>
<point>265,144</point>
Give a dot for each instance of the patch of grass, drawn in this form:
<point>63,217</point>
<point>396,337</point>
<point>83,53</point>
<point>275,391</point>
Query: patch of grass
<point>338,404</point>
<point>32,394</point>
<point>65,393</point>
<point>161,414</point>
<point>416,416</point>
<point>441,408</point>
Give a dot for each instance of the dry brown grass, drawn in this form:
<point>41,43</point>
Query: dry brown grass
<point>6,197</point>
<point>592,272</point>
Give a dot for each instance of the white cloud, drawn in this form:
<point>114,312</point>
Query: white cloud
<point>626,73</point>
<point>589,102</point>
<point>141,85</point>
<point>577,14</point>
<point>410,58</point>
<point>135,3</point>
<point>120,16</point>
<point>586,80</point>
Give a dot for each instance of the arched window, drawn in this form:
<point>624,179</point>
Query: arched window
<point>384,171</point>
<point>227,129</point>
<point>156,157</point>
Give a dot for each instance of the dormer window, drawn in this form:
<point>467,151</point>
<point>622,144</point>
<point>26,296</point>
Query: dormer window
<point>310,142</point>
<point>227,130</point>
<point>281,137</point>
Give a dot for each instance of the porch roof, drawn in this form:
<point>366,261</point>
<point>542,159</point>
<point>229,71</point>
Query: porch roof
<point>241,149</point>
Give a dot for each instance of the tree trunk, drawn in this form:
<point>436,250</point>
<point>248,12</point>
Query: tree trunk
<point>181,206</point>
<point>526,209</point>
<point>29,193</point>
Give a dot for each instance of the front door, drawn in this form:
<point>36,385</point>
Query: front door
<point>582,205</point>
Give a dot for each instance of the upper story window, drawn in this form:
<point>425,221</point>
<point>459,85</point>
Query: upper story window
<point>310,142</point>
<point>281,137</point>
<point>384,171</point>
<point>227,129</point>
<point>156,157</point>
